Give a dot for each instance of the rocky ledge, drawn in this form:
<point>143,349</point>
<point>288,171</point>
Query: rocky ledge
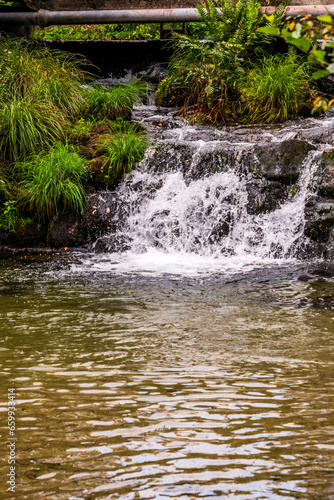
<point>271,159</point>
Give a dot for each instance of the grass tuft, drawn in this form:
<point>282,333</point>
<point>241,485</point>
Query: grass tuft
<point>277,88</point>
<point>115,102</point>
<point>53,181</point>
<point>122,151</point>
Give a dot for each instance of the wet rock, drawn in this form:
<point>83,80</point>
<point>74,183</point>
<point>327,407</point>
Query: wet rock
<point>66,232</point>
<point>98,173</point>
<point>326,86</point>
<point>24,236</point>
<point>326,184</point>
<point>329,253</point>
<point>102,215</point>
<point>265,196</point>
<point>319,215</point>
<point>317,134</point>
<point>112,244</point>
<point>282,161</point>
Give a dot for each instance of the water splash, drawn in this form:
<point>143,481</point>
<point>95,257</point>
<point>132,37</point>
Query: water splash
<point>209,216</point>
<point>190,205</point>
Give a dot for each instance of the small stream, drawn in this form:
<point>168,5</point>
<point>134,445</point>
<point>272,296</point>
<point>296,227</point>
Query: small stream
<point>197,361</point>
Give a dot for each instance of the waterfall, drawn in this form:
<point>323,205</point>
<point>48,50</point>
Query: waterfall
<point>209,216</point>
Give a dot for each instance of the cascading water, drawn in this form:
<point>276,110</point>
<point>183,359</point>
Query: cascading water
<point>193,198</point>
<point>209,216</point>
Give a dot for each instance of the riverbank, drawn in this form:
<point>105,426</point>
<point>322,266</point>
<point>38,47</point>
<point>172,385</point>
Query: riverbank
<point>267,165</point>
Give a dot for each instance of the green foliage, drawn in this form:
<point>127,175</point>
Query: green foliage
<point>305,35</point>
<point>53,181</point>
<point>115,102</point>
<point>9,216</point>
<point>80,130</point>
<point>39,91</point>
<point>122,151</point>
<point>206,76</point>
<point>28,126</point>
<point>98,32</point>
<point>276,88</point>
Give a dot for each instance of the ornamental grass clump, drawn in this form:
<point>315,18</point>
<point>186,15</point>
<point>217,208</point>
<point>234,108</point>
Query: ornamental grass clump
<point>114,102</point>
<point>40,91</point>
<point>277,88</point>
<point>28,126</point>
<point>53,181</point>
<point>122,151</point>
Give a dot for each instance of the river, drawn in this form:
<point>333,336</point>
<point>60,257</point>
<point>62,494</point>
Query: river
<point>189,353</point>
<point>148,384</point>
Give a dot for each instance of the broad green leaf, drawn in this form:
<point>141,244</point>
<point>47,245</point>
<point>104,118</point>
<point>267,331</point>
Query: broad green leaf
<point>269,30</point>
<point>326,19</point>
<point>319,54</point>
<point>321,73</point>
<point>330,68</point>
<point>301,43</point>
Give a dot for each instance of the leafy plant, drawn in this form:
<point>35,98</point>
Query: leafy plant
<point>54,181</point>
<point>80,130</point>
<point>98,32</point>
<point>305,35</point>
<point>28,126</point>
<point>115,102</point>
<point>277,88</point>
<point>122,151</point>
<point>205,77</point>
<point>9,216</point>
<point>39,91</point>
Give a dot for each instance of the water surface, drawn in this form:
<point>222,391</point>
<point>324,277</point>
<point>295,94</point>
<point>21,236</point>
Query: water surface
<point>138,382</point>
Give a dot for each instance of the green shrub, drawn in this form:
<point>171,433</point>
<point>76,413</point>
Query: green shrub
<point>27,127</point>
<point>39,74</point>
<point>277,88</point>
<point>54,181</point>
<point>126,31</point>
<point>80,130</point>
<point>39,91</point>
<point>122,151</point>
<point>115,102</point>
<point>205,77</point>
<point>9,216</point>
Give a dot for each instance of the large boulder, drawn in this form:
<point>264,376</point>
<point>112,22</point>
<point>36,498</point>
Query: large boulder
<point>282,161</point>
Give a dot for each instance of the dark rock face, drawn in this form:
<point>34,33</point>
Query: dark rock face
<point>282,161</point>
<point>102,215</point>
<point>326,186</point>
<point>319,219</point>
<point>265,196</point>
<point>66,232</point>
<point>23,236</point>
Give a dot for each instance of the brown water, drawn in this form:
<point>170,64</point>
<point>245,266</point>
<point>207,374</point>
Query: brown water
<point>162,386</point>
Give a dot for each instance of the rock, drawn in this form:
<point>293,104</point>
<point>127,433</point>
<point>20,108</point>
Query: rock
<point>27,235</point>
<point>329,253</point>
<point>112,244</point>
<point>326,86</point>
<point>98,173</point>
<point>265,196</point>
<point>282,161</point>
<point>102,215</point>
<point>66,231</point>
<point>326,187</point>
<point>319,214</point>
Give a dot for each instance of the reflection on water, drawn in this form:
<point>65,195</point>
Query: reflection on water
<point>156,386</point>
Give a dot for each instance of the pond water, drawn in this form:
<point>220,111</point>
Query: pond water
<point>135,382</point>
